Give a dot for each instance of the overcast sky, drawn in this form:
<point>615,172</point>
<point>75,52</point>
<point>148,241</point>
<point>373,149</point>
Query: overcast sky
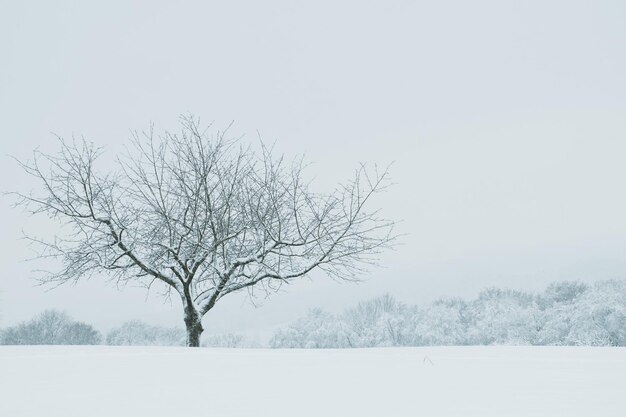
<point>505,119</point>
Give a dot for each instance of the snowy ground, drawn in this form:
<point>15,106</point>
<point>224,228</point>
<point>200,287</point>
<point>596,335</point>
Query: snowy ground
<point>434,381</point>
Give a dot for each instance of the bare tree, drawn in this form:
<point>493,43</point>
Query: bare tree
<point>202,214</point>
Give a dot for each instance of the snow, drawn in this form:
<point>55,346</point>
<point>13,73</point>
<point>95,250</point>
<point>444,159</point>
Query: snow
<point>481,381</point>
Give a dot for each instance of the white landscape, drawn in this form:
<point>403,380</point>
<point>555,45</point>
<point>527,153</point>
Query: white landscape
<point>64,381</point>
<point>313,209</point>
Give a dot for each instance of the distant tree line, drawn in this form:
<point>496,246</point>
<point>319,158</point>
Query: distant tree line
<point>566,313</point>
<point>53,327</point>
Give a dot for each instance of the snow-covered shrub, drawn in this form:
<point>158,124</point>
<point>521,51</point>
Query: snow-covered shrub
<point>138,333</point>
<point>318,329</point>
<point>51,327</point>
<point>228,340</point>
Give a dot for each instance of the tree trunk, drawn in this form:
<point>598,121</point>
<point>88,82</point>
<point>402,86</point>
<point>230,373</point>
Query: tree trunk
<point>193,322</point>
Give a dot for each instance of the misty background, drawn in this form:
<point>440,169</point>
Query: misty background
<point>504,121</point>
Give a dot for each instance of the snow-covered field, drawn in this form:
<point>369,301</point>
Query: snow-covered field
<point>430,381</point>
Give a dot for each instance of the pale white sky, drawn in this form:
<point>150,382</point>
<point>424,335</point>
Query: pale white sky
<point>505,120</point>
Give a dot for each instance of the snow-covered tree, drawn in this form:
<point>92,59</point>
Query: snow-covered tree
<point>558,304</point>
<point>563,292</point>
<point>503,317</point>
<point>202,216</point>
<point>444,322</point>
<point>317,329</point>
<point>597,317</point>
<point>381,321</point>
<point>51,327</point>
<point>78,333</point>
